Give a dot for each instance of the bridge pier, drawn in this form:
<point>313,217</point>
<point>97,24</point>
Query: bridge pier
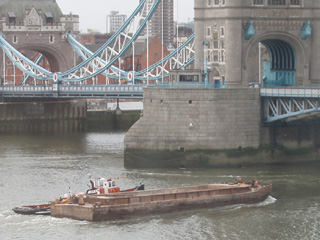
<point>25,115</point>
<point>203,128</point>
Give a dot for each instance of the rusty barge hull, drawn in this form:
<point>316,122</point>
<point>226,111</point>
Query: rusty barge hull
<point>136,204</point>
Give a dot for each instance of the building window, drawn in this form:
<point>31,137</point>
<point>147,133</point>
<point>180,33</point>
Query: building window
<point>216,3</point>
<point>51,39</point>
<point>222,30</point>
<point>257,2</point>
<point>295,2</point>
<point>222,56</point>
<point>208,31</point>
<point>222,45</point>
<point>276,2</point>
<point>12,18</point>
<point>15,39</point>
<point>49,17</point>
<point>215,44</point>
<point>216,56</point>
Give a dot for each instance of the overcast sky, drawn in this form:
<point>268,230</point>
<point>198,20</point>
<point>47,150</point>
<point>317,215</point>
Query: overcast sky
<point>93,12</point>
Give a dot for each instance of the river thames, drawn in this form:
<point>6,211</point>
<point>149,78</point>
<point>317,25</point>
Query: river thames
<point>38,168</point>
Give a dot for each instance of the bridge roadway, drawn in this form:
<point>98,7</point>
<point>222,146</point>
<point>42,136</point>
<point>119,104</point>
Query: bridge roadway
<point>124,91</point>
<point>130,91</point>
<point>289,104</point>
<point>73,91</point>
<point>279,104</point>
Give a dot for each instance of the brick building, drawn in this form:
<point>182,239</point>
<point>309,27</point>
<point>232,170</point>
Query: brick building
<point>115,21</point>
<point>141,54</point>
<point>155,24</point>
<point>94,41</point>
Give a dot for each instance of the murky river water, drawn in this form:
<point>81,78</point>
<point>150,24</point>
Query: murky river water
<point>36,169</point>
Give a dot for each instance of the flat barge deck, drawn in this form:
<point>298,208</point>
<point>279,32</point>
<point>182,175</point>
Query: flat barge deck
<point>148,202</point>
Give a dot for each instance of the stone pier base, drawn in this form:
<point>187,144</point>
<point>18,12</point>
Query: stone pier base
<point>214,128</point>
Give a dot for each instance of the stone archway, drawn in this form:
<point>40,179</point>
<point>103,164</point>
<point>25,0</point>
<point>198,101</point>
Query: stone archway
<point>56,59</point>
<point>284,66</point>
<point>279,69</point>
<point>46,56</point>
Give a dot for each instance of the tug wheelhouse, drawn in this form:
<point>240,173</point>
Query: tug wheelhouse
<point>103,186</point>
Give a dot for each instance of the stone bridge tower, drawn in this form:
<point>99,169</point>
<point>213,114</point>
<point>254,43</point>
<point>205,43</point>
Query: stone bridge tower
<point>38,26</point>
<point>274,42</point>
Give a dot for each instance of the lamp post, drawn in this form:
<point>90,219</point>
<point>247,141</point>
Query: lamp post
<point>162,41</point>
<point>205,63</point>
<point>148,8</point>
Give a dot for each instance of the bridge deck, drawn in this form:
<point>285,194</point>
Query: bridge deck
<point>289,104</point>
<point>290,92</point>
<point>279,104</point>
<point>73,91</point>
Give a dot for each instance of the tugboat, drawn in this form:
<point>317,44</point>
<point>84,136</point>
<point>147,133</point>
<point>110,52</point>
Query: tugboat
<point>106,186</point>
<point>99,186</point>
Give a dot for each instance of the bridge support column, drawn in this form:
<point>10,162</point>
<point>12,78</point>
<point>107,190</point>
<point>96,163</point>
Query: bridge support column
<point>234,53</point>
<point>199,33</point>
<point>315,56</point>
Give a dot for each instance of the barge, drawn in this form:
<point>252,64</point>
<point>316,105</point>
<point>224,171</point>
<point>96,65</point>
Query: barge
<point>141,203</point>
<point>98,186</point>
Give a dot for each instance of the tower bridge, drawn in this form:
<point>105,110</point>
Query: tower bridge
<point>274,44</point>
<point>38,26</point>
<point>269,42</point>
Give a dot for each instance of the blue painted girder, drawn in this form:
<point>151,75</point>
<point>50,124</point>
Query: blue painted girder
<point>283,108</point>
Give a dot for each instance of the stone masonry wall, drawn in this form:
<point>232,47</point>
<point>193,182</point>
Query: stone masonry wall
<point>42,115</point>
<point>200,128</point>
<point>191,119</point>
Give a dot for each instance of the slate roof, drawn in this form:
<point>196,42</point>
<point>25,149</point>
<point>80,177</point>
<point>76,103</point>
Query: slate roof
<point>19,7</point>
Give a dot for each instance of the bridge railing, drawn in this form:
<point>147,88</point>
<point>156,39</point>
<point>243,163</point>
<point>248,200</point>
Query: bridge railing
<point>74,91</point>
<point>290,92</point>
<point>185,85</point>
<point>99,88</point>
<point>25,90</point>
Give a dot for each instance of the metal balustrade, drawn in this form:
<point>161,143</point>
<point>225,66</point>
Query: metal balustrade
<point>74,91</point>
